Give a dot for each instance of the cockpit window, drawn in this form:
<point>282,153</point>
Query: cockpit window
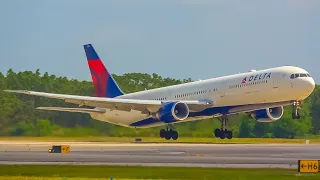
<point>293,76</point>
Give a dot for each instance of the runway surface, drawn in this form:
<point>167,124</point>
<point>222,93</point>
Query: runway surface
<point>192,155</point>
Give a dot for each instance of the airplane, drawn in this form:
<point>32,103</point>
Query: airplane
<point>261,94</point>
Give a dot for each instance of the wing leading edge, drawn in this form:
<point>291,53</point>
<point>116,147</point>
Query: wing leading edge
<point>145,106</point>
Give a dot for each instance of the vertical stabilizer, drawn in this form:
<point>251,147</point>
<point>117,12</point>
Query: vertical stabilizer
<point>104,84</point>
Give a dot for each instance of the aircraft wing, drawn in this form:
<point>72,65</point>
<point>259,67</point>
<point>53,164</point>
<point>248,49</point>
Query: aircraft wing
<point>80,110</point>
<point>145,106</point>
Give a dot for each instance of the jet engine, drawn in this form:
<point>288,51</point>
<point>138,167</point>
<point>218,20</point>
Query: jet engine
<point>268,115</point>
<point>173,111</point>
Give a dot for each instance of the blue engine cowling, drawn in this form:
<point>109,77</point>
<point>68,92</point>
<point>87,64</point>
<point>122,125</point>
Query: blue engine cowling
<point>268,115</point>
<point>172,112</point>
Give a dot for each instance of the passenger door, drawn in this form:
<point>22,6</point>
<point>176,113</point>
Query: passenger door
<point>276,80</point>
<point>221,90</point>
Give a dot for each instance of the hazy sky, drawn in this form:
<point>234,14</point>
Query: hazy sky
<point>180,39</point>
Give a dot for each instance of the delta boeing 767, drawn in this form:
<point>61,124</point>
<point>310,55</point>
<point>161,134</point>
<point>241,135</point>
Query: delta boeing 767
<point>262,94</point>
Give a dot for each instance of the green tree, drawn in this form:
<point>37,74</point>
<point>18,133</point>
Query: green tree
<point>43,128</point>
<point>315,110</point>
<point>246,127</point>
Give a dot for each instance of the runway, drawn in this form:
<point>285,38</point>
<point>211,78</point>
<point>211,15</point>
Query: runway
<point>145,154</point>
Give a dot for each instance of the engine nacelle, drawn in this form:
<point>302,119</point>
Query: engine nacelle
<point>268,115</point>
<point>173,111</point>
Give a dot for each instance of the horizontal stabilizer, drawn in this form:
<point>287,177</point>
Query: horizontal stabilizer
<point>80,110</point>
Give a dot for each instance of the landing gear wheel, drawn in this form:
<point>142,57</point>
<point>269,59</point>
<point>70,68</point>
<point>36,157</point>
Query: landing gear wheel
<point>298,116</point>
<point>168,135</point>
<point>163,133</point>
<point>217,132</point>
<point>295,116</point>
<point>174,135</point>
<point>223,132</point>
<point>295,112</point>
<point>229,134</point>
<point>222,135</point>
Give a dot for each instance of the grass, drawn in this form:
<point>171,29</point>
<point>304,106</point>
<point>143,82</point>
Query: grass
<point>52,178</point>
<point>63,172</point>
<point>159,140</point>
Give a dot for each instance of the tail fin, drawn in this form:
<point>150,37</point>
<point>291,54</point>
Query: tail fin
<point>104,84</point>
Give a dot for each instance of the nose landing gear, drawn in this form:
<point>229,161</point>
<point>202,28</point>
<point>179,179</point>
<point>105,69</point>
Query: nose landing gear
<point>295,108</point>
<point>223,133</point>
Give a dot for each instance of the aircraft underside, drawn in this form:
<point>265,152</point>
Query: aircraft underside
<point>221,113</point>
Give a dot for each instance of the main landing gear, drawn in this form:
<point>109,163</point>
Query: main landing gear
<point>295,108</point>
<point>169,133</point>
<point>223,133</point>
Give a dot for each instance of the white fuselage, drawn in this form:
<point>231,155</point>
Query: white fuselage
<point>274,85</point>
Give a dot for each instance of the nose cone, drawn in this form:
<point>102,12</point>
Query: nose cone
<point>309,85</point>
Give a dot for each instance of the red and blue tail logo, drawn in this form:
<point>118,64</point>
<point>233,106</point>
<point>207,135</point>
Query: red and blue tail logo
<point>104,84</point>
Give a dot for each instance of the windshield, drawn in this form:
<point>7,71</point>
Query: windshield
<point>293,76</point>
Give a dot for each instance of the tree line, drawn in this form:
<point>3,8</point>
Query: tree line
<point>18,116</point>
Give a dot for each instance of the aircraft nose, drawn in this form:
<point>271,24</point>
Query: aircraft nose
<point>309,84</point>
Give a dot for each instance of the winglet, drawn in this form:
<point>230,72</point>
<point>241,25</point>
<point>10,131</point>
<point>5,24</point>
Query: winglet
<point>103,81</point>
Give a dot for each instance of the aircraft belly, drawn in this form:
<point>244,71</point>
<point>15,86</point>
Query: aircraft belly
<point>122,118</point>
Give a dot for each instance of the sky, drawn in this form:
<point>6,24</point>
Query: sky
<point>196,39</point>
